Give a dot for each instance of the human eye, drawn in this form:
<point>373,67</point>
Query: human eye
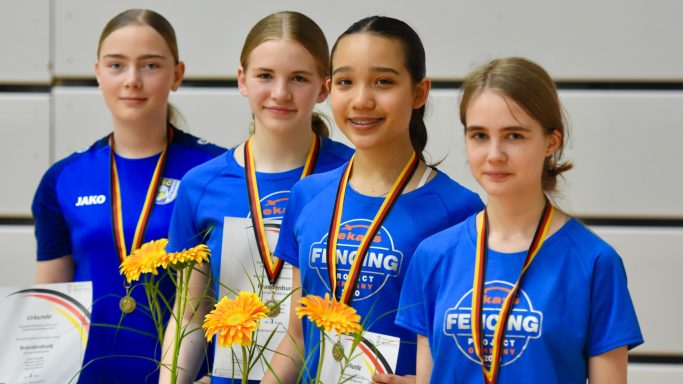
<point>300,79</point>
<point>515,136</point>
<point>477,136</point>
<point>151,66</point>
<point>115,66</point>
<point>263,75</point>
<point>384,81</point>
<point>343,82</point>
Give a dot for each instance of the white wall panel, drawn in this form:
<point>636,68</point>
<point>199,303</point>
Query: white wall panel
<point>25,41</point>
<point>24,149</point>
<point>626,152</point>
<point>18,256</point>
<point>577,40</point>
<point>653,258</point>
<point>654,373</point>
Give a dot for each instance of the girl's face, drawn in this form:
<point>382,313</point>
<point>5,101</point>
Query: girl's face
<point>282,84</point>
<point>136,71</point>
<point>373,94</point>
<point>506,147</point>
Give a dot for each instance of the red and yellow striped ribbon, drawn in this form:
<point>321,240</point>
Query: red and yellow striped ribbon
<point>148,205</point>
<point>335,224</point>
<point>272,264</point>
<point>491,373</point>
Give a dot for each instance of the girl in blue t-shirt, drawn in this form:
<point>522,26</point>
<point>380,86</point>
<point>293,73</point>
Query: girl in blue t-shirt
<point>521,292</point>
<point>283,71</point>
<point>378,91</point>
<point>129,177</point>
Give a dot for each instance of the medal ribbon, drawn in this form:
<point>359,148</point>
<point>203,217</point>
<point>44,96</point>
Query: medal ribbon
<point>272,264</point>
<point>376,223</point>
<point>148,205</point>
<point>490,374</point>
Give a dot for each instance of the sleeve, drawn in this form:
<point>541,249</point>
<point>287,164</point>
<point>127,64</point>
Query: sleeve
<point>287,247</point>
<point>183,230</point>
<point>52,232</point>
<point>613,321</point>
<point>415,302</point>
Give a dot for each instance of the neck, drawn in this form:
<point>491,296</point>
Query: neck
<point>278,153</point>
<point>375,171</point>
<point>139,141</point>
<point>513,221</point>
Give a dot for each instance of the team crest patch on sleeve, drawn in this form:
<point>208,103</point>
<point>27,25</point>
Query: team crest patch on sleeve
<point>382,261</point>
<point>524,323</point>
<point>168,190</point>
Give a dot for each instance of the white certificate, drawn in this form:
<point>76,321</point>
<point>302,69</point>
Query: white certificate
<point>349,362</point>
<point>43,332</point>
<point>243,270</point>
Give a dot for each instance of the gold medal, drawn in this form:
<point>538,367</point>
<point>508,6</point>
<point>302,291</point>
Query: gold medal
<point>127,304</point>
<point>338,351</point>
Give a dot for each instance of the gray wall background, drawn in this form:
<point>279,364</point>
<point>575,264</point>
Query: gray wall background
<point>619,65</point>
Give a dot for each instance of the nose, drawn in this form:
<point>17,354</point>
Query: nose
<point>280,90</point>
<point>363,98</point>
<point>133,79</point>
<point>496,152</point>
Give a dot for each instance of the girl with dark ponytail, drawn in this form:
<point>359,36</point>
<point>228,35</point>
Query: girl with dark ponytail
<point>385,193</point>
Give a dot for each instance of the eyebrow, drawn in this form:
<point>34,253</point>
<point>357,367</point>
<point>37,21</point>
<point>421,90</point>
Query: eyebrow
<point>347,68</point>
<point>122,56</point>
<point>505,129</point>
<point>298,72</point>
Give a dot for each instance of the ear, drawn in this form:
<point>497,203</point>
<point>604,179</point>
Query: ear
<point>97,72</point>
<point>554,142</point>
<point>241,81</point>
<point>324,91</point>
<point>421,93</point>
<point>178,75</point>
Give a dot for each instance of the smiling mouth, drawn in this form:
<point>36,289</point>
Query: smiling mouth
<point>280,109</point>
<point>364,121</point>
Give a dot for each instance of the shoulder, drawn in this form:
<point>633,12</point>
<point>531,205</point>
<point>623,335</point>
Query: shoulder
<point>211,169</point>
<point>587,247</point>
<point>88,157</point>
<point>450,238</point>
<point>334,153</point>
<point>314,185</point>
<point>456,198</point>
<point>196,144</point>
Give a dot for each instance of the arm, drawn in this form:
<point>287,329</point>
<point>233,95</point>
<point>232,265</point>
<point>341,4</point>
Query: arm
<point>608,368</point>
<point>193,344</point>
<point>59,270</point>
<point>424,367</point>
<point>287,360</point>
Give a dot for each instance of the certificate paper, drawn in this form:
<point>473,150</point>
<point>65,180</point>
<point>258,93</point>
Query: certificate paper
<point>243,270</point>
<point>374,353</point>
<point>43,332</point>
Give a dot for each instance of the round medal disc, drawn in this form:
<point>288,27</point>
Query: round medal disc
<point>273,308</point>
<point>127,304</point>
<point>337,351</point>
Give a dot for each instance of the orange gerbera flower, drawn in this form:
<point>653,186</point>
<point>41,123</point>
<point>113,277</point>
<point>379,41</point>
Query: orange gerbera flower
<point>198,254</point>
<point>329,314</point>
<point>235,320</point>
<point>144,260</point>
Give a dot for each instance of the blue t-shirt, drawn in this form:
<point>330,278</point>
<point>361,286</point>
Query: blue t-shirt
<point>417,214</point>
<point>72,211</point>
<point>218,189</point>
<point>573,304</point>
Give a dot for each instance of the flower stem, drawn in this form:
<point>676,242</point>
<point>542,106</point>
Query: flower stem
<point>322,355</point>
<point>181,297</point>
<point>245,365</point>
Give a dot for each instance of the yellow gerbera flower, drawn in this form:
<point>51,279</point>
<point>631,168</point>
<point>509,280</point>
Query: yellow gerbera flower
<point>235,320</point>
<point>329,314</point>
<point>198,254</point>
<point>144,260</point>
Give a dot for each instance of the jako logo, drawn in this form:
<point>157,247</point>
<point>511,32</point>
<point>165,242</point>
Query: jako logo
<point>523,324</point>
<point>381,262</point>
<point>90,200</point>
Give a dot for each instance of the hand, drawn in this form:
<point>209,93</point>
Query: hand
<point>393,379</point>
<point>204,380</point>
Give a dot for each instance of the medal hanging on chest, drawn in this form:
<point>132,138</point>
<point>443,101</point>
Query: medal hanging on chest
<point>335,224</point>
<point>127,303</point>
<point>272,265</point>
<point>491,373</point>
